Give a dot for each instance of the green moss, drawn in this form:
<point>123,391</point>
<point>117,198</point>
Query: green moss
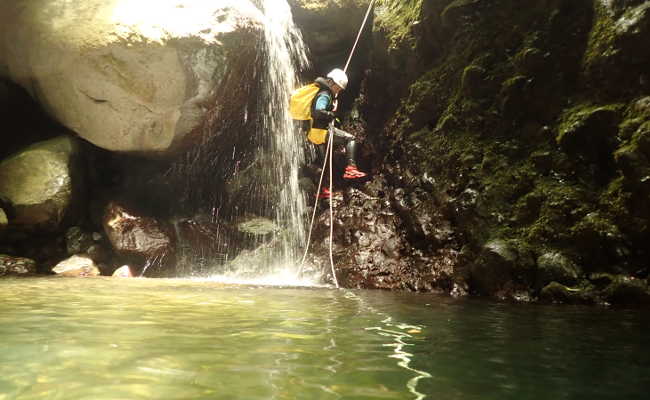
<point>396,18</point>
<point>601,39</point>
<point>584,116</point>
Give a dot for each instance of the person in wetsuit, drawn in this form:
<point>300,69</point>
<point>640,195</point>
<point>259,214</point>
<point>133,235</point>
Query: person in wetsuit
<point>324,107</point>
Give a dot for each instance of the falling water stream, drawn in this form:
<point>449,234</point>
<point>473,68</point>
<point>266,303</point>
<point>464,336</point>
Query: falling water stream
<point>281,152</point>
<point>286,55</point>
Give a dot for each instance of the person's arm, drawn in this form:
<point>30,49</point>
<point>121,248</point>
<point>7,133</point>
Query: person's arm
<point>323,107</point>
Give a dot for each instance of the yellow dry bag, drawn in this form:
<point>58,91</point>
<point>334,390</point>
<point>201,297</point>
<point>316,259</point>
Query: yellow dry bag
<point>301,99</point>
<point>300,109</point>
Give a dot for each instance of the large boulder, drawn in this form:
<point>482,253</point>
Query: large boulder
<point>39,183</point>
<point>128,75</point>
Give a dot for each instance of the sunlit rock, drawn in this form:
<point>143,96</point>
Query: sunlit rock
<point>128,75</point>
<point>38,183</point>
<point>123,272</point>
<point>144,240</point>
<point>16,265</point>
<point>77,266</point>
<point>257,226</point>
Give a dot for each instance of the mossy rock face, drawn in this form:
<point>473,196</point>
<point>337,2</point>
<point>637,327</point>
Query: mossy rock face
<point>473,81</point>
<point>627,291</point>
<point>501,267</point>
<point>556,267</point>
<point>617,58</point>
<point>38,184</point>
<point>531,61</point>
<point>589,131</point>
<point>454,12</point>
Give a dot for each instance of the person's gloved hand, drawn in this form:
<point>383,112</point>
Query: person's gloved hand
<point>337,122</point>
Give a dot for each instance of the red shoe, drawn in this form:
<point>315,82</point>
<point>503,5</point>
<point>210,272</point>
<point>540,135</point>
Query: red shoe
<point>325,194</point>
<point>351,172</point>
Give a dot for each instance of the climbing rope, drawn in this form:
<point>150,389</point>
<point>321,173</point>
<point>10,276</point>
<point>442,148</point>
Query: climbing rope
<point>356,42</point>
<point>329,154</point>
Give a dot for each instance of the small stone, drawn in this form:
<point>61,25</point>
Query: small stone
<point>77,266</point>
<point>16,265</point>
<point>123,272</point>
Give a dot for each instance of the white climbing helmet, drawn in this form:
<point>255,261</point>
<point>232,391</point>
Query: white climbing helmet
<point>339,77</point>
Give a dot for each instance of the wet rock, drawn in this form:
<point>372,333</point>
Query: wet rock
<point>556,267</point>
<point>589,131</point>
<point>633,159</point>
<point>77,241</point>
<point>457,11</point>
<point>626,290</point>
<point>531,61</point>
<point>10,265</point>
<point>473,81</point>
<point>257,226</point>
<point>79,266</point>
<point>501,267</point>
<point>41,184</point>
<point>374,226</point>
<point>123,272</point>
<point>514,93</point>
<point>599,239</point>
<point>616,57</point>
<point>144,240</point>
<point>557,293</point>
<point>98,253</point>
<point>121,76</point>
<point>202,244</point>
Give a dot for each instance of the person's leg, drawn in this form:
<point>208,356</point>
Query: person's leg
<point>342,137</point>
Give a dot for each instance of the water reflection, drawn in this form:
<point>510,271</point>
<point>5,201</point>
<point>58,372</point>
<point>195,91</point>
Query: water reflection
<point>175,339</point>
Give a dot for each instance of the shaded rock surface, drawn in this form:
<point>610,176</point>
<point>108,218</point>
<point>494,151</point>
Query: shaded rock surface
<point>127,76</point>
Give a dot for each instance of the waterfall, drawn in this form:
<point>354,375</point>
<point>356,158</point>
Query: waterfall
<point>286,54</point>
<point>249,184</point>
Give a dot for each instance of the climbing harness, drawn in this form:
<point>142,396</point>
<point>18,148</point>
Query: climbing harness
<point>329,153</point>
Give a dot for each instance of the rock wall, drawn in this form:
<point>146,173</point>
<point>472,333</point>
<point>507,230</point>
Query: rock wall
<point>508,146</point>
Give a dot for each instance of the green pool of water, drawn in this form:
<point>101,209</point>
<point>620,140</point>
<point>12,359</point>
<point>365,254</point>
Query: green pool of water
<point>173,339</point>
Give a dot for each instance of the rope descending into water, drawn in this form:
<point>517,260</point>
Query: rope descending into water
<point>329,153</point>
